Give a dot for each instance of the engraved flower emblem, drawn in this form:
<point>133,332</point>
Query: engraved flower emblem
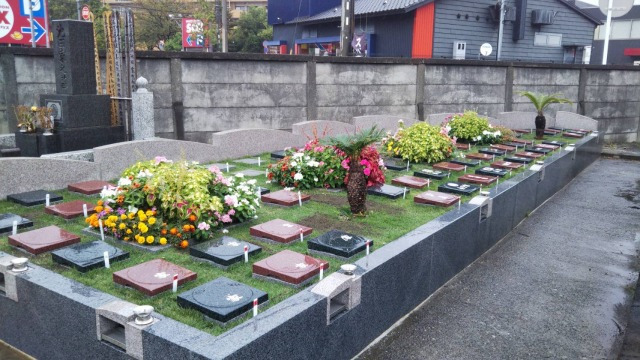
<point>234,297</point>
<point>346,237</point>
<point>161,275</point>
<point>233,243</point>
<point>302,265</point>
<point>287,225</point>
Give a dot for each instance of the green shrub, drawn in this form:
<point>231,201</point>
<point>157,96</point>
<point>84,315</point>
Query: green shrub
<point>420,142</point>
<point>468,126</point>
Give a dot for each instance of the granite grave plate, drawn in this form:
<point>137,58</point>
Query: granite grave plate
<point>514,144</point>
<point>538,150</point>
<point>465,162</point>
<point>529,154</point>
<point>547,146</point>
<point>280,231</point>
<point>478,156</point>
<point>388,191</point>
<point>264,191</point>
<point>578,131</point>
<point>458,188</point>
<point>223,167</point>
<point>89,187</point>
<point>225,251</point>
<point>554,142</point>
<point>431,174</point>
<point>250,173</point>
<point>477,179</point>
<point>395,164</point>
<point>552,130</point>
<point>463,146</point>
<point>518,159</point>
<point>44,239</point>
<point>339,243</point>
<point>573,135</point>
<point>153,277</point>
<point>6,222</point>
<point>88,256</point>
<point>284,198</point>
<point>436,198</point>
<point>289,267</point>
<point>413,182</point>
<point>447,166</point>
<point>522,131</point>
<point>70,210</point>
<point>491,171</point>
<point>32,198</point>
<point>502,147</point>
<point>222,299</point>
<point>278,154</point>
<point>491,151</point>
<point>506,165</point>
<point>250,161</point>
<point>521,141</point>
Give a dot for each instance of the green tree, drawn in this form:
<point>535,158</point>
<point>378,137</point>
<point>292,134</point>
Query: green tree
<point>66,9</point>
<point>157,20</point>
<point>251,30</point>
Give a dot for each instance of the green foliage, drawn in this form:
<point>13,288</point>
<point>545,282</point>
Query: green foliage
<point>353,145</point>
<point>66,9</point>
<point>421,142</point>
<point>174,43</point>
<point>467,126</point>
<point>541,101</point>
<point>251,30</point>
<point>157,20</point>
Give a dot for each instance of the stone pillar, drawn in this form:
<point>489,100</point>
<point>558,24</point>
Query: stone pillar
<point>143,124</point>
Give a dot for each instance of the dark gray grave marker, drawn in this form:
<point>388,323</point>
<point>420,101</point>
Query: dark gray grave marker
<point>538,150</point>
<point>338,243</point>
<point>465,162</point>
<point>491,171</point>
<point>458,188</point>
<point>224,252</point>
<point>388,191</point>
<point>554,142</point>
<point>395,164</point>
<point>278,154</point>
<point>431,174</point>
<point>6,222</point>
<point>88,256</point>
<point>494,152</point>
<point>518,159</point>
<point>33,198</point>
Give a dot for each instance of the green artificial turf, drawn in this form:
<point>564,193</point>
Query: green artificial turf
<point>386,221</point>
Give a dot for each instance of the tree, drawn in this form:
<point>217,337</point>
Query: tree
<point>540,102</point>
<point>157,20</point>
<point>353,146</point>
<point>66,9</point>
<point>251,30</point>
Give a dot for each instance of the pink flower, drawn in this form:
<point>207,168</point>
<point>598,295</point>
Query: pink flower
<point>231,212</point>
<point>365,162</point>
<point>231,200</point>
<point>160,159</point>
<point>214,169</point>
<point>321,163</point>
<point>226,219</point>
<point>454,140</point>
<point>204,226</point>
<point>367,171</point>
<point>345,164</point>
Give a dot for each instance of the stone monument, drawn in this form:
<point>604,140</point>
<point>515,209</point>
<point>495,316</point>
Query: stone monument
<point>82,118</point>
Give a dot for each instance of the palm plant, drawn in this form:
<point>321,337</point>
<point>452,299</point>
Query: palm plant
<point>540,102</point>
<point>353,145</point>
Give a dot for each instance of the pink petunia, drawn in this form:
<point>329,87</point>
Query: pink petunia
<point>225,219</point>
<point>231,212</point>
<point>204,226</point>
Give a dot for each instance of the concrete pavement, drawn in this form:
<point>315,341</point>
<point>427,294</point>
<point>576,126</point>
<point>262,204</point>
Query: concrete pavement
<point>558,286</point>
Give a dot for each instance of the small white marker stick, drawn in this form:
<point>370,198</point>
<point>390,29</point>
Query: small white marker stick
<point>493,157</point>
<point>106,260</point>
<point>175,283</point>
<point>301,235</point>
<point>428,183</point>
<point>459,203</point>
<point>368,246</point>
<point>266,173</point>
<point>101,229</point>
<point>85,212</point>
<point>407,165</point>
<point>299,198</point>
<point>321,272</point>
<point>465,169</point>
<point>227,167</point>
<point>448,174</point>
<point>47,200</point>
<point>246,254</point>
<point>259,161</point>
<point>404,193</point>
<point>497,181</point>
<point>15,228</point>
<point>255,307</point>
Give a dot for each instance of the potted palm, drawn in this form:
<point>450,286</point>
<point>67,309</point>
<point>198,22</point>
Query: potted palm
<point>353,146</point>
<point>540,102</point>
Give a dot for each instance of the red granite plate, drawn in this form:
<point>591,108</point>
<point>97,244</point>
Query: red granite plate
<point>70,210</point>
<point>436,198</point>
<point>284,198</point>
<point>477,179</point>
<point>290,267</point>
<point>410,181</point>
<point>44,239</point>
<point>280,231</point>
<point>153,277</point>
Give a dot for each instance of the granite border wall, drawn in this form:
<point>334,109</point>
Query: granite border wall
<point>437,251</point>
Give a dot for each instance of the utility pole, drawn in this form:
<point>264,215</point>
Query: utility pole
<point>347,26</point>
<point>605,50</point>
<point>225,25</point>
<point>500,31</point>
<point>78,9</point>
<point>33,31</point>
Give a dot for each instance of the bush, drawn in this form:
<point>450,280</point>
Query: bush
<point>468,126</point>
<point>420,142</point>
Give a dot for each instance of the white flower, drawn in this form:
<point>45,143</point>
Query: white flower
<point>132,209</point>
<point>239,175</point>
<point>297,176</point>
<point>225,231</point>
<point>315,179</point>
<point>255,216</point>
<point>400,121</point>
<point>268,182</point>
<point>252,182</point>
<point>124,181</point>
<point>498,133</point>
<point>485,132</point>
<point>293,163</point>
<point>307,157</point>
<point>297,155</point>
<point>448,128</point>
<point>313,163</point>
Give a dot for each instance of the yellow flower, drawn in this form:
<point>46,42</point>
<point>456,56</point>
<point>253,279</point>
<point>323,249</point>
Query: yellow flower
<point>141,240</point>
<point>126,238</point>
<point>123,217</point>
<point>131,216</point>
<point>142,216</point>
<point>143,228</point>
<point>98,208</point>
<point>163,241</point>
<point>152,220</point>
<point>34,108</point>
<point>122,226</point>
<point>150,239</point>
<point>129,231</point>
<point>149,213</point>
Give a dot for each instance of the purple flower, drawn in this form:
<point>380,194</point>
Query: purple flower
<point>203,226</point>
<point>121,211</point>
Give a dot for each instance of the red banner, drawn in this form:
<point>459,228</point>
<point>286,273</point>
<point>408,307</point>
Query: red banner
<point>192,33</point>
<point>15,25</point>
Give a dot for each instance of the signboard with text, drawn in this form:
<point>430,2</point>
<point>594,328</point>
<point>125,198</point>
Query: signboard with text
<point>192,33</point>
<point>15,24</point>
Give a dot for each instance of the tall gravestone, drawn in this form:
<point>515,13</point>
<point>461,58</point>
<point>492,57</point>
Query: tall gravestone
<point>82,118</point>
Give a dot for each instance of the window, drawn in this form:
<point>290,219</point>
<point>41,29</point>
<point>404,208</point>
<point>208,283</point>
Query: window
<point>547,39</point>
<point>620,30</point>
<point>242,7</point>
<point>309,33</point>
<point>635,29</point>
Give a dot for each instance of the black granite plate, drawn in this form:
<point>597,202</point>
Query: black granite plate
<point>339,243</point>
<point>518,159</point>
<point>278,154</point>
<point>222,299</point>
<point>534,149</point>
<point>6,222</point>
<point>431,174</point>
<point>458,188</point>
<point>465,162</point>
<point>225,251</point>
<point>555,142</point>
<point>490,151</point>
<point>396,164</point>
<point>88,256</point>
<point>32,198</point>
<point>388,191</point>
<point>491,171</point>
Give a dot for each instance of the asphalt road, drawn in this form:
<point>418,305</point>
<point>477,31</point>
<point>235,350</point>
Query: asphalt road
<point>559,286</point>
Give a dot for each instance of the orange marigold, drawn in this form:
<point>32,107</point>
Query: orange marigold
<point>173,231</point>
<point>192,218</point>
<point>184,244</point>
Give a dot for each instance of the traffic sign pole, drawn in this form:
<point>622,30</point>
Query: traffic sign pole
<point>605,50</point>
<point>46,21</point>
<point>33,33</point>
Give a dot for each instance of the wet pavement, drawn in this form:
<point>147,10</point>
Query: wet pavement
<point>559,286</point>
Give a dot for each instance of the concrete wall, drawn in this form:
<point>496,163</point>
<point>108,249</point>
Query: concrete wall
<point>198,94</point>
<point>297,327</point>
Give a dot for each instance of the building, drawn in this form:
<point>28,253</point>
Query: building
<point>535,30</point>
<point>624,42</point>
<point>236,7</point>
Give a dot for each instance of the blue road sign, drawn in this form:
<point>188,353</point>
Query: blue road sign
<point>37,5</point>
<point>37,29</point>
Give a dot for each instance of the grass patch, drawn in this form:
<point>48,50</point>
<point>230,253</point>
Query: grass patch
<point>387,220</point>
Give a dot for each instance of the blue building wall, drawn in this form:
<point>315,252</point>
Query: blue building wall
<point>575,29</point>
<point>287,10</point>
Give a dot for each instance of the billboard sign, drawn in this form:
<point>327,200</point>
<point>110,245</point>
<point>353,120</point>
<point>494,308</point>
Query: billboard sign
<point>15,23</point>
<point>192,33</point>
